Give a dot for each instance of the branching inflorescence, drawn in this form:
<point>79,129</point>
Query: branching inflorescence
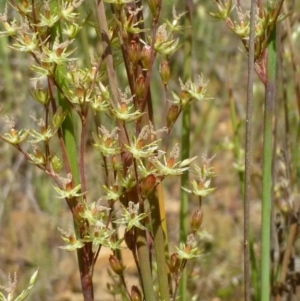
<point>133,159</point>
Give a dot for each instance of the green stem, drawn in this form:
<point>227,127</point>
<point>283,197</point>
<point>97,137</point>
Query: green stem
<point>143,255</point>
<point>185,140</point>
<point>159,246</point>
<point>248,151</point>
<point>267,174</point>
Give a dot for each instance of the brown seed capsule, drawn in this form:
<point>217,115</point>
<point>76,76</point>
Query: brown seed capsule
<point>148,185</point>
<point>165,72</point>
<point>196,219</point>
<point>140,87</point>
<point>135,294</point>
<point>172,115</point>
<point>145,56</point>
<point>174,264</point>
<point>134,52</point>
<point>129,239</point>
<point>115,265</point>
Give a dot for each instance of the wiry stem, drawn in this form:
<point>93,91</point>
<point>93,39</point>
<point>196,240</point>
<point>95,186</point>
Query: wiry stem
<point>247,281</point>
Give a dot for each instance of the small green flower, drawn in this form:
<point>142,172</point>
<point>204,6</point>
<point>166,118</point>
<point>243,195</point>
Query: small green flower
<point>59,54</point>
<point>56,163</point>
<point>201,185</point>
<point>15,137</point>
<point>67,192</point>
<point>49,22</point>
<point>224,9</point>
<point>37,158</point>
<point>128,20</point>
<point>98,104</point>
<point>127,182</point>
<point>11,29</point>
<point>200,188</point>
<point>106,142</point>
<point>164,42</point>
<point>43,71</point>
<point>242,29</point>
<point>72,242</point>
<point>174,26</point>
<point>28,43</point>
<point>45,136</point>
<point>67,10</point>
<point>147,170</point>
<point>185,251</point>
<point>81,97</point>
<point>95,214</point>
<point>39,94</point>
<point>191,92</point>
<point>137,147</point>
<point>170,168</point>
<point>50,18</point>
<point>114,192</point>
<point>122,112</point>
<point>99,236</point>
<point>71,30</point>
<point>131,218</point>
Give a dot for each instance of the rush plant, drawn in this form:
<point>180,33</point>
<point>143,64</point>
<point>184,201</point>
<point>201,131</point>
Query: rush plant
<point>113,91</point>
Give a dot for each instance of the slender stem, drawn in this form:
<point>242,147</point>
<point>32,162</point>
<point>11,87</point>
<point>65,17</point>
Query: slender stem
<point>159,246</point>
<point>125,286</point>
<point>247,282</point>
<point>267,166</point>
<point>185,140</point>
<point>81,157</point>
<point>143,256</point>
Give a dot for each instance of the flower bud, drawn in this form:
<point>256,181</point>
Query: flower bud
<point>56,164</point>
<point>196,219</point>
<point>134,52</point>
<point>145,56</point>
<point>104,91</point>
<point>140,87</point>
<point>174,264</point>
<point>172,115</point>
<point>40,95</point>
<point>165,72</point>
<point>148,185</point>
<point>39,156</point>
<point>72,31</point>
<point>78,211</point>
<point>115,265</point>
<point>59,117</point>
<point>135,294</point>
<point>129,239</point>
<point>33,277</point>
